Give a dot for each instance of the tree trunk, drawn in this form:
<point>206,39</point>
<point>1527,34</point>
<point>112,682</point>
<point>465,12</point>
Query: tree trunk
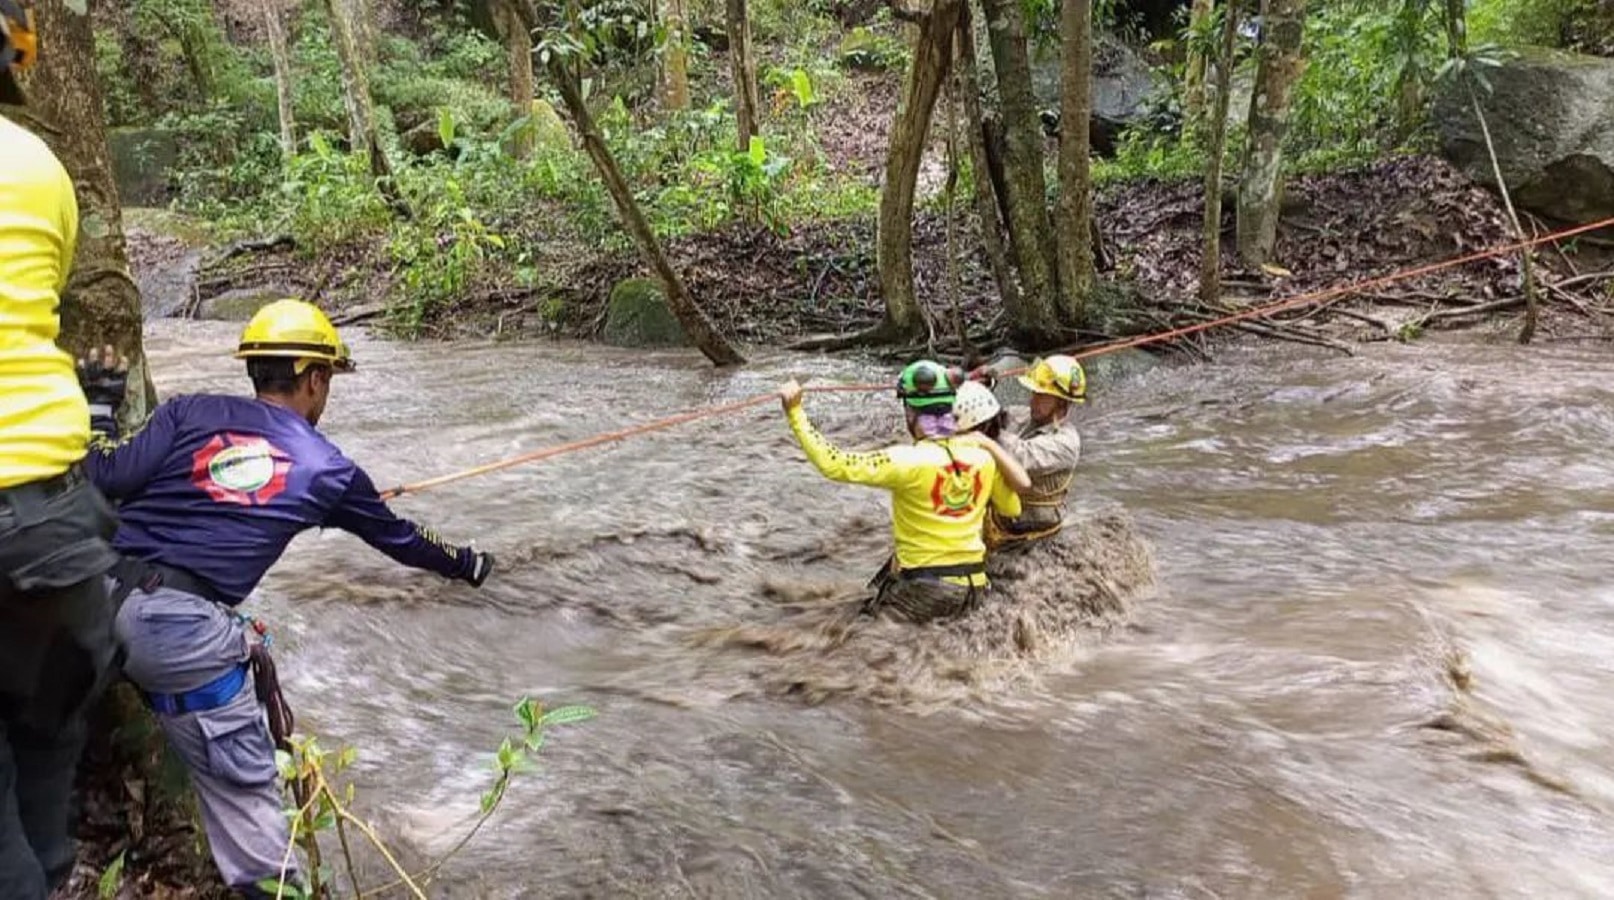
<point>138,60</point>
<point>196,48</point>
<point>282,60</point>
<point>361,13</point>
<point>702,333</point>
<point>101,304</point>
<point>1075,212</point>
<point>1456,29</point>
<point>1261,187</point>
<point>694,320</point>
<point>363,134</point>
<point>987,210</point>
<point>1210,264</point>
<point>905,151</point>
<point>518,50</point>
<point>676,87</point>
<point>744,67</point>
<point>1025,186</point>
<point>1194,79</point>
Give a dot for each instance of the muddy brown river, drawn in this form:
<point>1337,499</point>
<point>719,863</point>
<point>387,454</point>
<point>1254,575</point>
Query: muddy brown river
<point>1378,660</point>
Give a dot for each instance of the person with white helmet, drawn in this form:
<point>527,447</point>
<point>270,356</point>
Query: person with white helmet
<point>56,640</point>
<point>978,409</point>
<point>1049,447</point>
<point>211,492</point>
<point>942,485</point>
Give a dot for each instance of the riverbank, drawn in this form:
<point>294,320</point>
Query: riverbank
<point>767,288</point>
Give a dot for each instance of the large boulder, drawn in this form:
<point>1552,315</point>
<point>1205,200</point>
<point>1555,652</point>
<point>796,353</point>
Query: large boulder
<point>241,304</point>
<point>1551,118</point>
<point>141,160</point>
<point>1125,91</point>
<point>638,316</point>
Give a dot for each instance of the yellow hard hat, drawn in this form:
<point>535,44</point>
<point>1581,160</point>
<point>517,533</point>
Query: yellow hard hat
<point>294,329</point>
<point>19,47</point>
<point>1059,376</point>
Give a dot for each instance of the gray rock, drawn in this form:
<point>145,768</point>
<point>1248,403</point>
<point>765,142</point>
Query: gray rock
<point>1123,87</point>
<point>1551,117</point>
<point>141,160</point>
<point>638,316</point>
<point>240,304</point>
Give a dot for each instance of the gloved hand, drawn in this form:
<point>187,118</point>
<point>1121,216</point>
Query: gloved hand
<point>104,376</point>
<point>481,567</point>
<point>985,375</point>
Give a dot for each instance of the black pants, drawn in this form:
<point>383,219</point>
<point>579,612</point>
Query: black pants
<point>56,653</point>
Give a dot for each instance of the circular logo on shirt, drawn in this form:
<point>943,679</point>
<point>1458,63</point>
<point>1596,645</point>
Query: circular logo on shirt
<point>242,468</point>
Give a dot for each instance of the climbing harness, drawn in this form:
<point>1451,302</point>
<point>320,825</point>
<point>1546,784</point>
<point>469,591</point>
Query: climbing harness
<point>1255,312</point>
<point>131,574</point>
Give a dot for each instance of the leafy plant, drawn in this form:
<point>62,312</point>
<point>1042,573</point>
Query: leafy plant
<point>324,809</point>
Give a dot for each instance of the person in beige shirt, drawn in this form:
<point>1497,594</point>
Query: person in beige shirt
<point>1048,447</point>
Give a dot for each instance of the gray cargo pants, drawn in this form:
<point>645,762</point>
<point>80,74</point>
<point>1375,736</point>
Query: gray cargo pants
<point>177,642</point>
<point>56,653</point>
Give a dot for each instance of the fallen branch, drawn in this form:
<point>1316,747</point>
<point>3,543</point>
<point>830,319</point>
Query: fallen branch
<point>1363,318</point>
<point>359,314</point>
<point>1289,334</point>
<point>1483,308</point>
<point>881,335</point>
<point>252,245</point>
<point>1582,279</point>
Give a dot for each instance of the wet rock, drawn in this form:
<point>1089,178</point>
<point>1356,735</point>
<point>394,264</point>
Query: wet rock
<point>1125,89</point>
<point>141,159</point>
<point>1104,372</point>
<point>239,305</point>
<point>423,139</point>
<point>549,131</point>
<point>638,316</point>
<point>1551,117</point>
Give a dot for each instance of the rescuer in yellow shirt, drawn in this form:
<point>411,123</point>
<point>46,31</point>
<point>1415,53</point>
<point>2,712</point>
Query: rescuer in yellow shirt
<point>56,641</point>
<point>941,486</point>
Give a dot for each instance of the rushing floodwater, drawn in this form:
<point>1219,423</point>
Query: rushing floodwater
<point>1379,661</point>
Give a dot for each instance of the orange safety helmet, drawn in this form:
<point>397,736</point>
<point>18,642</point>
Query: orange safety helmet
<point>19,47</point>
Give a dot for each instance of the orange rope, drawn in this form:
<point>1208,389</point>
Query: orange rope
<point>1254,312</point>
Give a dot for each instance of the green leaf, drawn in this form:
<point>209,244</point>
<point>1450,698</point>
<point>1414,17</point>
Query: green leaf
<point>507,755</point>
<point>348,756</point>
<point>273,886</point>
<point>566,715</point>
<point>756,151</point>
<point>535,741</point>
<point>445,125</point>
<point>528,712</point>
<point>802,86</point>
<point>112,878</point>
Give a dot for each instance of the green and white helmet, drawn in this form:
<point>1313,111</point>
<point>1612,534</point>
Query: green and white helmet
<point>925,385</point>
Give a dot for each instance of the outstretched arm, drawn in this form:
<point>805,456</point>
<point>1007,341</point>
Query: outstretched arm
<point>878,469</point>
<point>363,513</point>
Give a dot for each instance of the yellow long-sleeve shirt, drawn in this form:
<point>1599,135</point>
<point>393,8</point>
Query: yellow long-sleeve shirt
<point>940,491</point>
<point>44,419</point>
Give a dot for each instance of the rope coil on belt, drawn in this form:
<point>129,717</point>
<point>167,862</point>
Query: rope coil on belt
<point>1255,312</point>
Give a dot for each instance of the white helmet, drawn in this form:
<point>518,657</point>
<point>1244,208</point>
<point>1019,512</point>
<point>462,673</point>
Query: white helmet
<point>974,405</point>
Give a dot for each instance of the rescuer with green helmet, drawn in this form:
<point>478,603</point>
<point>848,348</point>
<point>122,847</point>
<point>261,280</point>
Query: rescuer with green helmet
<point>941,486</point>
